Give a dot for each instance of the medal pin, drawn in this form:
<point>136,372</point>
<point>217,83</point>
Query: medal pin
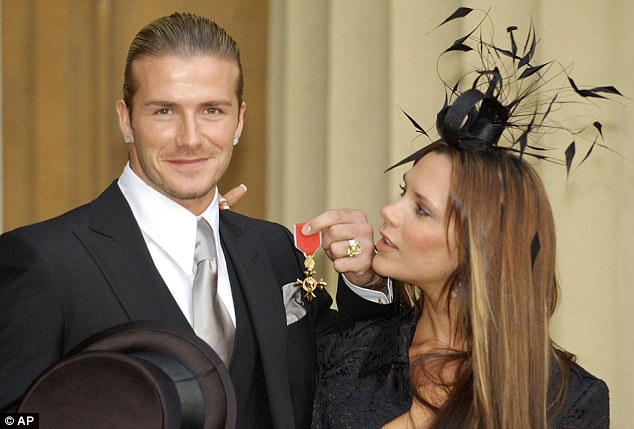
<point>308,245</point>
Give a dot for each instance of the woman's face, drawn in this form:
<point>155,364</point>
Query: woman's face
<point>413,247</point>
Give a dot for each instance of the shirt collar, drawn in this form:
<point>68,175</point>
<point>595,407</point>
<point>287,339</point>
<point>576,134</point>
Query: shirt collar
<point>171,226</point>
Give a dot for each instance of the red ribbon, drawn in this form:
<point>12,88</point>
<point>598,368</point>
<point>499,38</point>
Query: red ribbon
<point>306,243</point>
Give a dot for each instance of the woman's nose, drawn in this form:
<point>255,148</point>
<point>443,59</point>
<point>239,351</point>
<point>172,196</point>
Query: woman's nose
<point>389,212</point>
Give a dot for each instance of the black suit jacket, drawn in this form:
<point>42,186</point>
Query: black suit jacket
<point>70,277</point>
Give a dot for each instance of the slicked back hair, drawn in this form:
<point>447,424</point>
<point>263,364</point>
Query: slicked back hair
<point>184,35</point>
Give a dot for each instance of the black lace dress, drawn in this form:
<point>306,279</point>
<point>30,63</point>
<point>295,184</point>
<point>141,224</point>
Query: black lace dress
<point>363,374</point>
<point>363,380</point>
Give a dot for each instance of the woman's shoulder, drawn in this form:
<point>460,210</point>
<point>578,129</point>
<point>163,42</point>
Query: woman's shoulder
<point>581,378</point>
<point>587,403</point>
<point>585,388</point>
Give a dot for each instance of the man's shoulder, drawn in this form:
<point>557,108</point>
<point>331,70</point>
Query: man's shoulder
<point>72,219</point>
<point>232,218</point>
<point>273,238</point>
<point>53,237</point>
<point>58,223</point>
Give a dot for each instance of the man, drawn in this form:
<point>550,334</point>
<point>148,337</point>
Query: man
<point>129,254</point>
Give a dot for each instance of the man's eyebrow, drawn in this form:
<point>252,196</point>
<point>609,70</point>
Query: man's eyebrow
<point>218,102</point>
<point>159,103</point>
<point>165,103</point>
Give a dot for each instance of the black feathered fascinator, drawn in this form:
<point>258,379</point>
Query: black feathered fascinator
<point>509,100</point>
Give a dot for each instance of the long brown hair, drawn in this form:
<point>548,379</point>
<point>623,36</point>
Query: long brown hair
<point>505,290</point>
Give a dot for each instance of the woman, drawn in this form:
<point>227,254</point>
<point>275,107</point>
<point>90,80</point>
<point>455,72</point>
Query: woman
<point>464,234</point>
<point>471,242</point>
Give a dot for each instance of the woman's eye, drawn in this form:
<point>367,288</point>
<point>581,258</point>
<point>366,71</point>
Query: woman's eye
<point>422,211</point>
<point>403,189</point>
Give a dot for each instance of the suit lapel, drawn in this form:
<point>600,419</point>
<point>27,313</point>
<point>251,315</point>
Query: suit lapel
<point>116,243</point>
<point>263,297</point>
<point>118,248</point>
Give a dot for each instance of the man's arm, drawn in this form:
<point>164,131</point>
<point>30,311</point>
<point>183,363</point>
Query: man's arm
<point>31,320</point>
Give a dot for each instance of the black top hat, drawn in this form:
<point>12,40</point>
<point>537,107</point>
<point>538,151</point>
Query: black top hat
<point>136,375</point>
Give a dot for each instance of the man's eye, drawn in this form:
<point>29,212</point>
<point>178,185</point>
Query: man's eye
<point>164,111</point>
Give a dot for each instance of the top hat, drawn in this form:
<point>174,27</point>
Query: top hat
<point>136,375</point>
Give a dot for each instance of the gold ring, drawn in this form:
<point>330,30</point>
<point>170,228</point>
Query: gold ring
<point>354,248</point>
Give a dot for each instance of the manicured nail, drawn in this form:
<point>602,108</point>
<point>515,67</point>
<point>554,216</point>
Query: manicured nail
<point>306,229</point>
<point>243,186</point>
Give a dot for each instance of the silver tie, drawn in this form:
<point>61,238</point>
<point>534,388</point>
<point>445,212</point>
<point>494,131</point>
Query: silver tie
<point>212,321</point>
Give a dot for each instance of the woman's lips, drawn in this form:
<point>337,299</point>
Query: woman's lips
<point>385,245</point>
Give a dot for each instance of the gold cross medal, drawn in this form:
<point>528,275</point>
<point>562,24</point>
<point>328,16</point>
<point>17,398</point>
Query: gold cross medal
<point>308,245</point>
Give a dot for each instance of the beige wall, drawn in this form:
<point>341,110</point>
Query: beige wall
<point>338,72</point>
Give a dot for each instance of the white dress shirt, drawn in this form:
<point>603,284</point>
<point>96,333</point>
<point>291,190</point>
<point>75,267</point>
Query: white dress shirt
<point>169,231</point>
<point>372,295</point>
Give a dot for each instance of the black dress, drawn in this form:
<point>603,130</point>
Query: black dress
<point>363,380</point>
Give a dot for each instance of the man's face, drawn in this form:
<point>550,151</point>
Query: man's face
<point>185,116</point>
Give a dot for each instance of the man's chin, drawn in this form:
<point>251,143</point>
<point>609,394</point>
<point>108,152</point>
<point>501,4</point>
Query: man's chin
<point>188,194</point>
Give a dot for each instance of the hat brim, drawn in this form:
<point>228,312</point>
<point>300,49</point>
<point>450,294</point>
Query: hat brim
<point>153,351</point>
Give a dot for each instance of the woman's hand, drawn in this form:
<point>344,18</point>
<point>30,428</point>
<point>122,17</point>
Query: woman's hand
<point>337,228</point>
<point>225,201</point>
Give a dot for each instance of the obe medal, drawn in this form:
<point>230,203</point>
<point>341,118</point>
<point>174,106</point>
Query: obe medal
<point>308,245</point>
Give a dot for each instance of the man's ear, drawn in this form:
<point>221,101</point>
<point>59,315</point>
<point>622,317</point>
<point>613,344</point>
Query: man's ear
<point>238,132</point>
<point>123,115</point>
